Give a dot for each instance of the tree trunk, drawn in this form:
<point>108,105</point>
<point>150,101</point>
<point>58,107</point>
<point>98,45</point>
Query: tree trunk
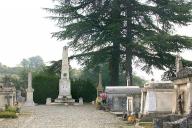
<point>115,52</point>
<point>114,69</point>
<point>129,70</point>
<point>129,56</point>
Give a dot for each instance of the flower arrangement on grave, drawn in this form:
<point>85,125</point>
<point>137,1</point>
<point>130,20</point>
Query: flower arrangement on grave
<point>103,102</point>
<point>98,102</point>
<point>131,119</point>
<point>103,97</point>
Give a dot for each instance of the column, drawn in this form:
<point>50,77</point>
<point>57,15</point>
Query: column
<point>174,108</point>
<point>189,98</point>
<point>142,98</point>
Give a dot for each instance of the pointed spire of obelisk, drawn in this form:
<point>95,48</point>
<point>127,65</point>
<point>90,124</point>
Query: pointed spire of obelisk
<point>179,64</point>
<point>65,64</point>
<point>100,87</point>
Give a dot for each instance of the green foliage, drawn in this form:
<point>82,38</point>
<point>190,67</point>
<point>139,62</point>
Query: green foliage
<point>101,30</point>
<point>33,63</point>
<point>147,119</point>
<point>138,81</point>
<point>9,71</point>
<point>18,75</point>
<point>45,86</point>
<point>8,114</point>
<point>6,80</point>
<point>171,72</point>
<point>146,124</point>
<point>91,74</point>
<point>84,89</point>
<point>11,109</point>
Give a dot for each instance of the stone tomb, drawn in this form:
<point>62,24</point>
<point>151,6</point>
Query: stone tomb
<point>19,98</point>
<point>7,96</point>
<point>123,98</point>
<point>158,98</point>
<point>183,86</point>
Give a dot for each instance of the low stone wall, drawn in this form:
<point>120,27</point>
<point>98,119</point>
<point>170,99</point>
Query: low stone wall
<point>159,121</point>
<point>181,123</point>
<point>184,122</point>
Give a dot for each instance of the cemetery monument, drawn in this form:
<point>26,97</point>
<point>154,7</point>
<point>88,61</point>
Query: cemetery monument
<point>30,90</point>
<point>99,86</point>
<point>64,82</point>
<point>7,96</point>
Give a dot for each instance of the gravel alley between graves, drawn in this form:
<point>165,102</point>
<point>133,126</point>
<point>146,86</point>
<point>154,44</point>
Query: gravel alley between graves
<point>59,116</point>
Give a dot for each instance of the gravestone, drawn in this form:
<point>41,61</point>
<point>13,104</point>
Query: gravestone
<point>80,101</point>
<point>64,82</point>
<point>30,90</point>
<point>19,98</point>
<point>48,101</point>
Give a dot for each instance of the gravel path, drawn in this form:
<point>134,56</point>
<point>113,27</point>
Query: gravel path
<point>60,116</point>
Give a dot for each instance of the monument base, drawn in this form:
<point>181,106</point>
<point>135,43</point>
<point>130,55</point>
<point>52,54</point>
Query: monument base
<point>65,99</point>
<point>29,104</point>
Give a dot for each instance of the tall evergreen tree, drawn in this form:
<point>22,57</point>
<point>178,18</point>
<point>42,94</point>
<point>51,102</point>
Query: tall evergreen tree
<point>94,29</point>
<point>117,31</point>
<point>149,26</point>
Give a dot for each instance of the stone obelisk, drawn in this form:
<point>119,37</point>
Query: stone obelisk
<point>30,90</point>
<point>100,87</point>
<point>64,83</point>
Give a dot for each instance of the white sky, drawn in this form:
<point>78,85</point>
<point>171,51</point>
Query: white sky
<point>24,32</point>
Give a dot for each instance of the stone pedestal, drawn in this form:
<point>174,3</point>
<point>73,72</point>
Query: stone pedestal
<point>29,101</point>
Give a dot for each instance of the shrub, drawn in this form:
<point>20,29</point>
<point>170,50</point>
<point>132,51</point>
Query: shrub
<point>45,85</point>
<point>84,89</point>
<point>7,114</point>
<point>147,119</point>
<point>11,109</point>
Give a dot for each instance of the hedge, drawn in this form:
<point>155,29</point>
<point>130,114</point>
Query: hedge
<point>7,114</point>
<point>84,89</point>
<point>47,85</point>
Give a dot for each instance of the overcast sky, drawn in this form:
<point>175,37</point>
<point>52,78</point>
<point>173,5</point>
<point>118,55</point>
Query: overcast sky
<point>24,32</point>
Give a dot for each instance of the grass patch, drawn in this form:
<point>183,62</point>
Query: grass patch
<point>11,109</point>
<point>146,124</point>
<point>146,119</point>
<point>7,114</point>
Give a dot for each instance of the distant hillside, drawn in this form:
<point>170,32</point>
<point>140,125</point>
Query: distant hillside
<point>4,70</point>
